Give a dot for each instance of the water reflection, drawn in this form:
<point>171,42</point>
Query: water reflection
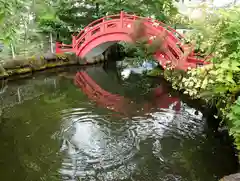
<point>158,139</point>
<point>160,97</point>
<point>24,90</point>
<point>105,129</point>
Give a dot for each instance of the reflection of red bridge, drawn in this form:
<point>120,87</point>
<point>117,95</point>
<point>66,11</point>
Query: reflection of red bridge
<point>119,103</point>
<point>102,33</point>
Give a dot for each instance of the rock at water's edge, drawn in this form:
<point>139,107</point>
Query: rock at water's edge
<point>233,177</point>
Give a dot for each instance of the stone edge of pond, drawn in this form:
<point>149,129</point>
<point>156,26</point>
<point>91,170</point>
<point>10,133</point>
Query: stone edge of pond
<point>34,64</point>
<point>232,177</point>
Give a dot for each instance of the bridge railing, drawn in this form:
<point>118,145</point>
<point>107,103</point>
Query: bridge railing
<point>126,16</point>
<point>99,21</point>
<point>102,24</point>
<point>97,25</point>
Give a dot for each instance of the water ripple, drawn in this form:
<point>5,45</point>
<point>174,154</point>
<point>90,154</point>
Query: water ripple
<point>95,147</point>
<point>90,147</point>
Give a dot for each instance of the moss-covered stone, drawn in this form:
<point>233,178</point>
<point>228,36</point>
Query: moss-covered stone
<point>40,62</point>
<point>15,63</point>
<point>22,70</point>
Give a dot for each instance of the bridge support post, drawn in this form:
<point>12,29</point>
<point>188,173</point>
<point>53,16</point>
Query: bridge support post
<point>57,49</point>
<point>121,18</point>
<point>103,20</point>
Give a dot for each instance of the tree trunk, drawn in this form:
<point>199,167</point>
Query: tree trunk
<point>51,43</point>
<point>25,38</point>
<point>12,51</point>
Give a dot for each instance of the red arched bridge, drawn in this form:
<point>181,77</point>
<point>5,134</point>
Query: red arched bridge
<point>95,38</point>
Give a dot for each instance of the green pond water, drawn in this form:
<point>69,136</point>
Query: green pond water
<point>52,129</point>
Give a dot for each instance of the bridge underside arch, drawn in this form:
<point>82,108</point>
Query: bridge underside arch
<point>98,44</point>
<point>101,43</point>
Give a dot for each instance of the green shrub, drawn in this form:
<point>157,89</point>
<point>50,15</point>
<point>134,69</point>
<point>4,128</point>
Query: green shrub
<point>218,83</point>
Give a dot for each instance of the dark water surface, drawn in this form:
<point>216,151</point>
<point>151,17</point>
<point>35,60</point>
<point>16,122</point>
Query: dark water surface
<point>66,127</point>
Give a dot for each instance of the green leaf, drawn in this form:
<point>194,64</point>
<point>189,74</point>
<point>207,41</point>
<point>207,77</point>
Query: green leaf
<point>236,110</point>
<point>230,65</point>
<point>220,89</point>
<point>229,77</point>
<point>204,83</point>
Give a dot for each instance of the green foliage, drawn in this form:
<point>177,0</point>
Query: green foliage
<point>18,29</point>
<point>161,10</point>
<point>234,121</point>
<point>70,16</point>
<point>138,52</point>
<point>8,20</point>
<point>155,72</point>
<point>218,83</point>
<point>25,26</point>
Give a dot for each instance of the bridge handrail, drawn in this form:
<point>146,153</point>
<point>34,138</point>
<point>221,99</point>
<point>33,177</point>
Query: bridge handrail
<point>91,30</point>
<point>135,17</point>
<point>121,16</point>
<point>158,22</point>
<point>95,22</point>
<point>124,17</point>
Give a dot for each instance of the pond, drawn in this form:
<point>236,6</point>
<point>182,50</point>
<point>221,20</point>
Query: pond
<point>89,124</point>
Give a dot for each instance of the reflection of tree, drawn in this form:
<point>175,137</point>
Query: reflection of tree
<point>9,159</point>
<point>28,150</point>
<point>197,160</point>
<point>141,88</point>
<point>188,159</point>
<point>137,87</point>
<point>31,133</point>
<point>111,69</point>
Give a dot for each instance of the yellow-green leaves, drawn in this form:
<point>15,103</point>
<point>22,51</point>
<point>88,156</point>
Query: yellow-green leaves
<point>234,118</point>
<point>230,64</point>
<point>219,83</point>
